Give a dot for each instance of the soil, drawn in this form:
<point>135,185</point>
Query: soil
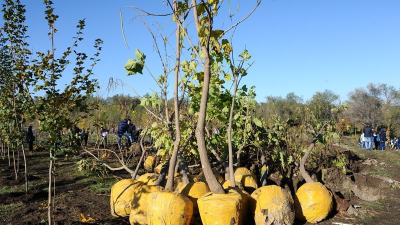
<point>370,184</point>
<point>76,193</point>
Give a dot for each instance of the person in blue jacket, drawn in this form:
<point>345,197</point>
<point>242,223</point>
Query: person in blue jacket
<point>382,140</point>
<point>123,130</point>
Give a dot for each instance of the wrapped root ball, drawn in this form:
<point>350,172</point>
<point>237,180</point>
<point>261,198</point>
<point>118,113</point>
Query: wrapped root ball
<point>168,208</point>
<point>194,191</point>
<point>245,217</point>
<point>246,178</point>
<point>158,168</point>
<point>148,178</point>
<point>122,195</point>
<point>220,209</point>
<point>148,163</point>
<point>314,202</point>
<point>202,178</point>
<point>138,213</point>
<point>226,184</point>
<point>272,205</point>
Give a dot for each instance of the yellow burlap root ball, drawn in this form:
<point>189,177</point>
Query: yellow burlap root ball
<point>158,168</point>
<point>202,178</point>
<point>138,213</point>
<point>148,178</point>
<point>245,217</point>
<point>148,163</point>
<point>220,209</point>
<point>226,184</point>
<point>272,205</point>
<point>194,191</point>
<point>167,208</point>
<point>314,202</point>
<point>246,178</point>
<point>122,195</point>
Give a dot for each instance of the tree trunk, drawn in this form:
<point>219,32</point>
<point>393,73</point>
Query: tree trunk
<point>231,172</point>
<point>141,157</point>
<point>8,154</point>
<point>303,172</point>
<point>26,169</point>
<point>264,175</point>
<point>15,165</point>
<point>170,181</point>
<point>50,196</point>
<point>163,173</point>
<point>214,185</point>
<point>183,168</point>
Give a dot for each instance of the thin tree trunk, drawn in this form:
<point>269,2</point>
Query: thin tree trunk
<point>163,173</point>
<point>212,181</point>
<point>264,175</point>
<point>141,157</point>
<point>244,138</point>
<point>15,165</point>
<point>2,150</point>
<point>183,167</point>
<point>231,172</point>
<point>8,154</point>
<point>26,170</point>
<point>170,181</point>
<point>303,172</point>
<point>18,160</point>
<point>50,197</point>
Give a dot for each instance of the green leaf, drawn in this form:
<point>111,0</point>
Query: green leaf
<point>257,122</point>
<point>226,46</point>
<point>133,67</point>
<point>139,55</point>
<point>245,55</point>
<point>201,9</point>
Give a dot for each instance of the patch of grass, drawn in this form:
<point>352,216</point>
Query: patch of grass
<point>376,205</point>
<point>380,172</point>
<point>373,206</point>
<point>103,185</point>
<point>12,189</point>
<point>100,184</point>
<point>19,188</point>
<point>10,209</point>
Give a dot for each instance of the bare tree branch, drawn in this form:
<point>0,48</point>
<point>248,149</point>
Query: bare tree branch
<point>122,29</point>
<point>236,24</point>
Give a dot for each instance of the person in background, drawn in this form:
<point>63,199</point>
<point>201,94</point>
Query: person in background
<point>85,136</point>
<point>104,133</point>
<point>376,140</point>
<point>394,143</point>
<point>382,146</point>
<point>368,135</point>
<point>75,134</point>
<point>123,128</point>
<point>362,143</point>
<point>398,144</point>
<point>30,138</point>
<point>134,132</point>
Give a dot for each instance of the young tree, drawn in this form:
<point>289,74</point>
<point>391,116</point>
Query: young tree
<point>54,108</point>
<point>15,76</point>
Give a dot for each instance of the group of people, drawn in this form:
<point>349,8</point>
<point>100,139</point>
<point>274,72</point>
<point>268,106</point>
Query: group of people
<point>125,128</point>
<point>80,135</point>
<point>370,139</point>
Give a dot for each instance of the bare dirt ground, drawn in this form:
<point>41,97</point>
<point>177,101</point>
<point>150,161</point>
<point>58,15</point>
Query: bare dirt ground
<point>370,184</point>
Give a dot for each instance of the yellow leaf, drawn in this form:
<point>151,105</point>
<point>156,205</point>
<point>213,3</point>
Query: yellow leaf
<point>84,220</point>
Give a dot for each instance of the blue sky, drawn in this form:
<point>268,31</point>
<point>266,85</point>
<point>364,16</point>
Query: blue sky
<point>300,46</point>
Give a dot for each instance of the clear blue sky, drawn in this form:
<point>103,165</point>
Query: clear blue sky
<point>300,46</point>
